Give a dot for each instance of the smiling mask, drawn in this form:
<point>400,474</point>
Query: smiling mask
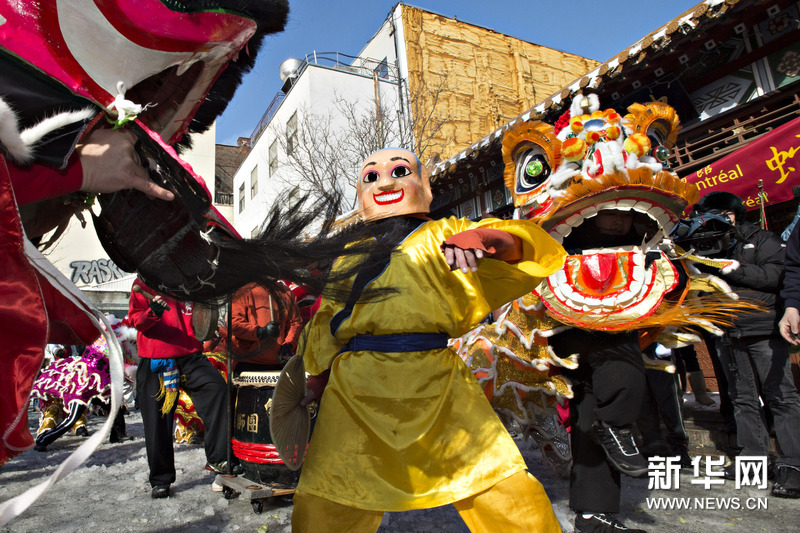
<point>392,182</point>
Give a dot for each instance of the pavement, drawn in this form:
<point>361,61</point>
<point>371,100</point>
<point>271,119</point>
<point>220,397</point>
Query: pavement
<point>110,493</point>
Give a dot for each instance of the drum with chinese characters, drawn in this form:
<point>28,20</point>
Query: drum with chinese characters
<point>252,441</point>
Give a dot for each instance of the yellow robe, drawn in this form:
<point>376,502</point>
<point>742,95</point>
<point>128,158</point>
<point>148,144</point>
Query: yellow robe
<point>412,430</point>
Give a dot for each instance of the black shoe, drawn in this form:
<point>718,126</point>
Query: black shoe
<point>656,448</point>
<point>787,482</point>
<point>601,523</point>
<point>729,472</point>
<point>222,467</point>
<point>620,448</point>
<point>82,432</point>
<point>160,491</point>
<point>118,435</point>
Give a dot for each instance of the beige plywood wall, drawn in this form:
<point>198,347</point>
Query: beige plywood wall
<point>490,77</point>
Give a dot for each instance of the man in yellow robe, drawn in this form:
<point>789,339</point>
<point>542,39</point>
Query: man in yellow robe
<point>404,424</point>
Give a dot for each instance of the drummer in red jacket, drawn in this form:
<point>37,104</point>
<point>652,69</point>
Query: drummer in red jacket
<point>265,328</point>
<point>172,357</point>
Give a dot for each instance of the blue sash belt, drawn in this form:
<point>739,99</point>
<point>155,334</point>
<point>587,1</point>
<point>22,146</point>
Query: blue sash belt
<point>401,342</point>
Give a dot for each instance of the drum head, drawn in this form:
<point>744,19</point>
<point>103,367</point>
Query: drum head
<point>204,321</point>
<point>289,423</point>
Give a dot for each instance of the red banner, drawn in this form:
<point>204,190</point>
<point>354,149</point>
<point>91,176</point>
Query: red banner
<point>774,158</point>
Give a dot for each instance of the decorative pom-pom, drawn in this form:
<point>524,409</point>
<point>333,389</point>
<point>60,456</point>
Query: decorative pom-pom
<point>637,144</point>
<point>592,136</point>
<point>613,132</point>
<point>576,124</point>
<point>574,149</point>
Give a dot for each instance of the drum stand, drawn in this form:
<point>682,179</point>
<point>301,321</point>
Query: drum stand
<point>258,493</point>
<point>233,485</point>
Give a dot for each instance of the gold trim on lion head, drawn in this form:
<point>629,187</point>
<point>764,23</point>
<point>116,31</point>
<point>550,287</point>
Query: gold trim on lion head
<point>596,163</point>
<point>596,160</point>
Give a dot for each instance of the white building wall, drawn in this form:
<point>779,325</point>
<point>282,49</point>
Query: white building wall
<point>381,46</point>
<point>201,156</point>
<point>316,90</point>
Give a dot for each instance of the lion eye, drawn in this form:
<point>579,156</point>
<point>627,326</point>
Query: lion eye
<point>532,171</point>
<point>534,168</point>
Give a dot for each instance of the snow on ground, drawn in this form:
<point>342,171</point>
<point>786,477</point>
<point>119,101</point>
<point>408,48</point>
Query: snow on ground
<point>110,493</point>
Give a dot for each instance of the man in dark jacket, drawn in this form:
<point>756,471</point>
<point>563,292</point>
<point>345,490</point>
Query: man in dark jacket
<point>754,356</point>
<point>790,293</point>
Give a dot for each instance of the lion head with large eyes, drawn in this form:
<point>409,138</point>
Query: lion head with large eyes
<point>596,166</point>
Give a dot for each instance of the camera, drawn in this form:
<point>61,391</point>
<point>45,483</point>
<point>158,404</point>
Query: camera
<point>272,329</point>
<point>709,234</point>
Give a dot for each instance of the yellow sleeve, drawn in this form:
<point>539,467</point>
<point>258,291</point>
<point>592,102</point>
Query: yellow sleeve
<point>542,255</point>
<point>317,346</point>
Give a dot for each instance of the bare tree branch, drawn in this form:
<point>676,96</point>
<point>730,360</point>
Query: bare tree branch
<point>327,155</point>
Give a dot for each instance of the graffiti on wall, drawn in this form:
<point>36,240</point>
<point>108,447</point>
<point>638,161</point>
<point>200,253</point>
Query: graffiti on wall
<point>95,271</point>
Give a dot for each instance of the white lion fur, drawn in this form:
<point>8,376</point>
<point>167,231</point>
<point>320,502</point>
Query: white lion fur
<point>20,145</point>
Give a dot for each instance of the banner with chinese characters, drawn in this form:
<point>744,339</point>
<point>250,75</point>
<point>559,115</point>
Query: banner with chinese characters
<point>774,158</point>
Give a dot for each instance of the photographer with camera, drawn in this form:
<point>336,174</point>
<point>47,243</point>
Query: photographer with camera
<point>754,357</point>
<point>265,328</point>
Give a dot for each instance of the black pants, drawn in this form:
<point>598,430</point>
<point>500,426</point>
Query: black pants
<point>208,391</point>
<point>609,385</point>
<point>758,368</point>
<point>662,403</point>
<point>725,403</point>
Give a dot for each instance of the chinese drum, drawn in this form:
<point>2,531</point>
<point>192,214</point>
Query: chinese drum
<point>252,442</point>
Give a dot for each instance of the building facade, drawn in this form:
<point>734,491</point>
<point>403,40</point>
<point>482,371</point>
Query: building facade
<point>463,78</point>
<point>729,68</point>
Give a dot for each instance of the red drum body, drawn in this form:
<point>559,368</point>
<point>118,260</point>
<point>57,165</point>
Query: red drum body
<point>252,442</point>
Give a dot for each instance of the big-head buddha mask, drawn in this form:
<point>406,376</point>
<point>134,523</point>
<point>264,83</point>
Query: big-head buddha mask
<point>392,182</point>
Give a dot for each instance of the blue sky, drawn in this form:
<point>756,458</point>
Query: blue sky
<point>591,28</point>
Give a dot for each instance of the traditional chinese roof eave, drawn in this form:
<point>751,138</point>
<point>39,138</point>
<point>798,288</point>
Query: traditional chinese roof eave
<point>689,22</point>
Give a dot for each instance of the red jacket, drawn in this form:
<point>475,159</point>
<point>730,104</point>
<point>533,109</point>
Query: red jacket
<point>170,335</point>
<point>39,182</point>
<point>251,310</point>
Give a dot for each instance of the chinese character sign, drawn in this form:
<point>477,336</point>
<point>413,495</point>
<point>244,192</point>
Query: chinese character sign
<point>774,158</point>
<point>664,473</point>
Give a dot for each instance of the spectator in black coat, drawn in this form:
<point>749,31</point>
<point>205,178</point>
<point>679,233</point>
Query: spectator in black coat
<point>754,356</point>
<point>790,293</point>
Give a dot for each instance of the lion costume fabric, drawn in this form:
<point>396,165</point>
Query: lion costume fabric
<point>561,176</point>
<point>68,67</point>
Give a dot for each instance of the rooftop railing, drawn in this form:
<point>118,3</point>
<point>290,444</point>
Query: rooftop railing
<point>363,66</point>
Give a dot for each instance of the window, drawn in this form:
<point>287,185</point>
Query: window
<point>382,70</point>
<point>241,197</point>
<point>254,182</point>
<point>254,233</point>
<point>273,157</point>
<point>291,134</point>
